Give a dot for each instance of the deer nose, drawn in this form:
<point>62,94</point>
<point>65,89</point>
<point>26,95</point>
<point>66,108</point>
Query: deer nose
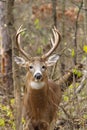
<point>38,76</point>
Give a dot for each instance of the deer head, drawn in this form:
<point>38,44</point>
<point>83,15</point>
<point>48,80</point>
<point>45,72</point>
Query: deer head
<point>37,66</point>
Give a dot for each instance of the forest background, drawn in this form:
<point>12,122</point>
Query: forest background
<point>38,17</point>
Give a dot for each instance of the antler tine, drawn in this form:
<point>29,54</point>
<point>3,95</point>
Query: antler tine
<point>54,42</point>
<point>19,31</point>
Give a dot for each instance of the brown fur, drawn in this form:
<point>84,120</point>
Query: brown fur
<point>41,105</point>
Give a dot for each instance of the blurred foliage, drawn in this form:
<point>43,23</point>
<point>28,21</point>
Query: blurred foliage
<point>39,50</point>
<point>77,72</point>
<point>85,48</point>
<point>72,53</point>
<point>37,24</point>
<point>2,122</point>
<point>6,115</point>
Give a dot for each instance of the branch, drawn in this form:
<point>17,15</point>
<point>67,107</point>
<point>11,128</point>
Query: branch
<point>82,84</point>
<point>67,79</point>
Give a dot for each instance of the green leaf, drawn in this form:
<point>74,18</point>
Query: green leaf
<point>85,48</point>
<point>2,122</point>
<point>77,72</point>
<point>39,50</point>
<point>71,86</point>
<point>66,98</point>
<point>23,33</point>
<point>23,121</point>
<point>85,116</point>
<point>12,101</point>
<point>4,108</point>
<point>13,126</point>
<point>9,114</point>
<point>72,53</point>
<point>37,23</point>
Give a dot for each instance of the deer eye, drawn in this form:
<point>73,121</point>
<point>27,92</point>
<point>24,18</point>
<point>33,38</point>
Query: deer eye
<point>30,67</point>
<point>44,67</point>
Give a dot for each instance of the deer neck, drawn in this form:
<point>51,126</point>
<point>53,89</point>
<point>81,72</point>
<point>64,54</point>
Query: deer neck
<point>38,101</point>
<point>38,94</point>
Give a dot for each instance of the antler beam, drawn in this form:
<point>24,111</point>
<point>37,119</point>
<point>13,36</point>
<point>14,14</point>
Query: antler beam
<point>19,31</point>
<point>55,43</point>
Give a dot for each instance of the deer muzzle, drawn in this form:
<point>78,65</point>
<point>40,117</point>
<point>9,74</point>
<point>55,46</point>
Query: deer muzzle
<point>38,76</point>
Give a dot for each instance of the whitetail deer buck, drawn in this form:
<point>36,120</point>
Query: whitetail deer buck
<point>42,95</point>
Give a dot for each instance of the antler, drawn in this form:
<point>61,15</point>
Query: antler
<point>54,43</point>
<point>19,31</point>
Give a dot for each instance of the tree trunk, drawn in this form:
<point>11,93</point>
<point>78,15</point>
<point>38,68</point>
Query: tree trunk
<point>76,33</point>
<point>63,36</point>
<point>16,78</point>
<point>85,20</point>
<point>7,32</point>
<point>17,89</point>
<point>6,43</point>
<point>54,3</point>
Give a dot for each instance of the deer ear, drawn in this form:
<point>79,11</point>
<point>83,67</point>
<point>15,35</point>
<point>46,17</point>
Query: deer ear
<point>20,61</point>
<point>52,60</point>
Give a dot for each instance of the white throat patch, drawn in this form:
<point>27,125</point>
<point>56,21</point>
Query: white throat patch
<point>37,85</point>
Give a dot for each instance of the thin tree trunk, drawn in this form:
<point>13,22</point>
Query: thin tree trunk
<point>54,3</point>
<point>16,78</point>
<point>30,10</point>
<point>63,36</point>
<point>76,32</point>
<point>17,89</point>
<point>85,20</point>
